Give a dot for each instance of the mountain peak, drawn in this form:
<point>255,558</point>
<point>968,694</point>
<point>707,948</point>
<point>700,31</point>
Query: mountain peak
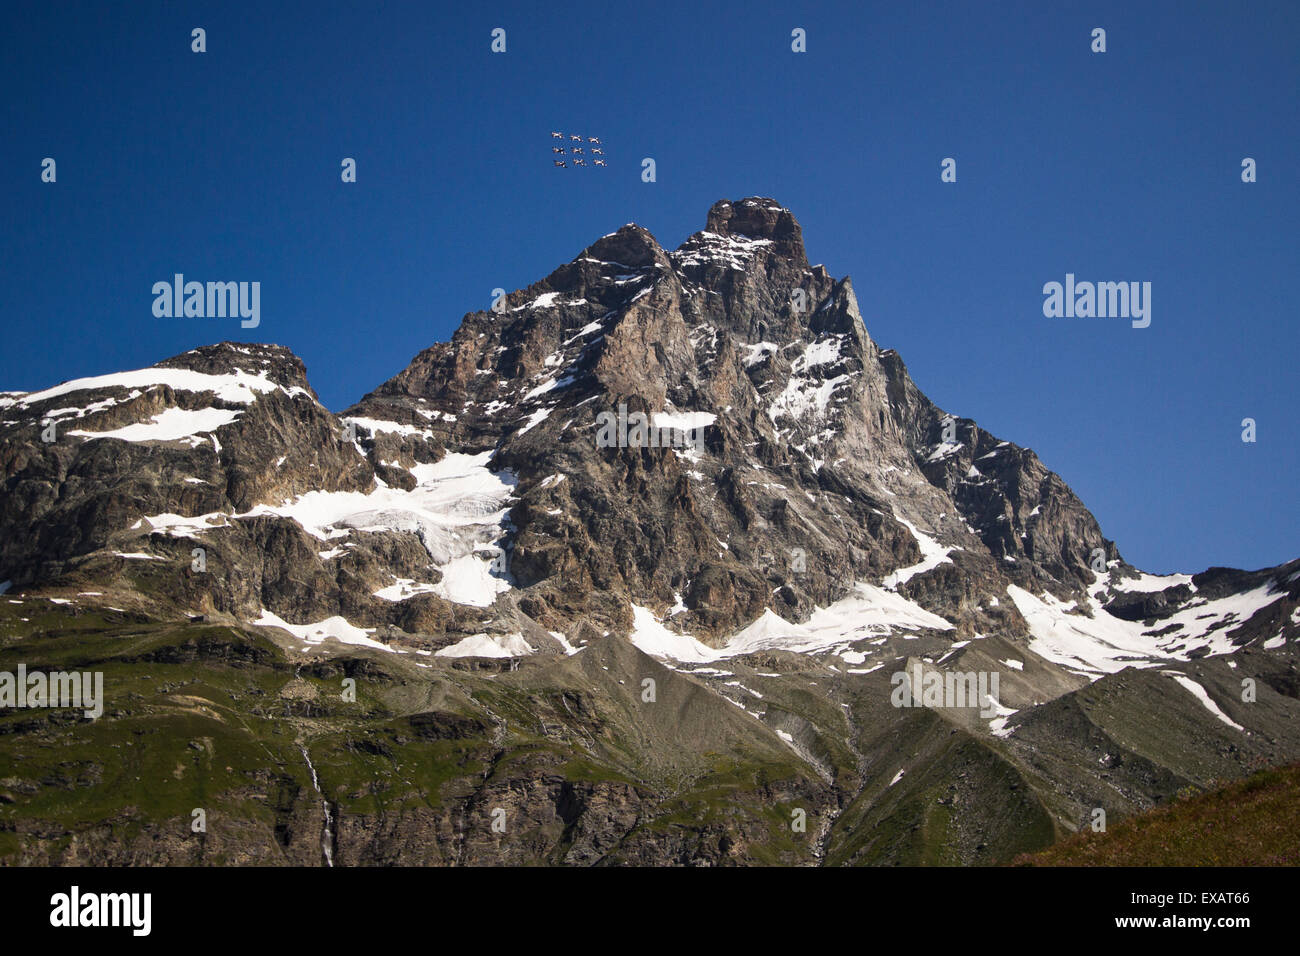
<point>757,217</point>
<point>630,245</point>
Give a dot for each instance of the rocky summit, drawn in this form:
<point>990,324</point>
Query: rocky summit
<point>660,560</point>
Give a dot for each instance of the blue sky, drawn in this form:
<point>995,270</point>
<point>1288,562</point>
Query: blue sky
<point>1116,166</point>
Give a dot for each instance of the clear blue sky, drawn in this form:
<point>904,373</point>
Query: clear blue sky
<point>1118,166</point>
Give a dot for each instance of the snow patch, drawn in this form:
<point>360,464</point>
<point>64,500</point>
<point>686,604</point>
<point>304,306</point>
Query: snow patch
<point>332,627</point>
<point>651,637</point>
<point>933,554</point>
<point>488,645</point>
<point>171,424</point>
<point>1199,692</point>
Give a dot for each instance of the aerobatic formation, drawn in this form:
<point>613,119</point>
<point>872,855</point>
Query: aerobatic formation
<point>593,150</point>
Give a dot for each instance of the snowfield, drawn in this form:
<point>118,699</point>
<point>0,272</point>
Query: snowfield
<point>933,554</point>
<point>1104,644</point>
<point>458,510</point>
<point>172,424</point>
<point>335,627</point>
<point>488,645</point>
<point>868,613</point>
<point>237,388</point>
<point>683,421</point>
<point>376,426</point>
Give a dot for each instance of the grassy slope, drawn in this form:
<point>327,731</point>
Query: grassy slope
<point>1248,823</point>
<point>198,716</point>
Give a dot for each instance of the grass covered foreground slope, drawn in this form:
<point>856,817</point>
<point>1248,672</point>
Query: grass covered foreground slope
<point>1251,822</point>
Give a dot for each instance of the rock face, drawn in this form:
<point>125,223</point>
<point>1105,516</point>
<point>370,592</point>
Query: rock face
<point>819,454</point>
<point>68,492</point>
<point>697,457</point>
